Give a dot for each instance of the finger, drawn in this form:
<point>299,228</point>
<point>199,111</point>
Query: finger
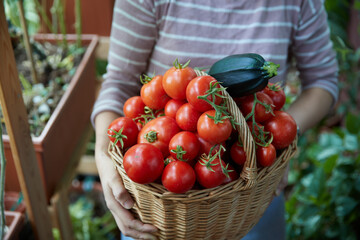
<point>142,227</point>
<point>120,193</point>
<point>130,226</point>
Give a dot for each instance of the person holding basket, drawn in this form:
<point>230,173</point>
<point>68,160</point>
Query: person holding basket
<point>147,36</point>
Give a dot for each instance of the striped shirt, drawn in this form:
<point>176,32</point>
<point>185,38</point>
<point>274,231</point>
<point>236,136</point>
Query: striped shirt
<point>148,35</point>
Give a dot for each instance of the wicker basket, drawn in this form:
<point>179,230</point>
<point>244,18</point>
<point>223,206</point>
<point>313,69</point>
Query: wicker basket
<point>225,212</point>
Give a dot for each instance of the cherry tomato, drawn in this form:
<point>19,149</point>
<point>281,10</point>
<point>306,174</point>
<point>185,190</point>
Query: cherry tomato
<point>187,117</point>
<point>238,154</point>
<point>159,132</point>
<point>201,86</point>
<point>176,79</point>
<point>172,106</point>
<point>277,95</point>
<point>152,93</point>
<point>261,112</point>
<point>184,146</point>
<point>233,175</point>
<point>210,174</point>
<point>266,156</point>
<point>205,147</point>
<point>143,163</point>
<point>123,132</point>
<point>283,129</point>
<point>213,132</point>
<point>178,177</point>
<point>134,107</point>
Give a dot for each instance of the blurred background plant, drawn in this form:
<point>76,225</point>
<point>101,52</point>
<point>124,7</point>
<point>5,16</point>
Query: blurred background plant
<point>45,70</point>
<point>323,196</point>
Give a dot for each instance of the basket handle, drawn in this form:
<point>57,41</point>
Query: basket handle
<point>249,171</point>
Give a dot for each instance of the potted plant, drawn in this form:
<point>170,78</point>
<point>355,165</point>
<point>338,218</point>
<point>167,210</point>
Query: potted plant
<point>70,61</point>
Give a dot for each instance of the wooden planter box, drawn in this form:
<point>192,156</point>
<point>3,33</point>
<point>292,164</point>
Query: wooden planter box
<point>12,202</point>
<point>15,222</point>
<point>61,134</point>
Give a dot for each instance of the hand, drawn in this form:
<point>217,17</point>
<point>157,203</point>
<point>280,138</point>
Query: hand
<point>118,200</point>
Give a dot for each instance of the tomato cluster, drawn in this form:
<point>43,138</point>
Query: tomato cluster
<point>178,130</point>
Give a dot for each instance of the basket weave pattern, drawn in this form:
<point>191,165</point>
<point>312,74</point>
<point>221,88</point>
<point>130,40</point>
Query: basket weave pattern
<point>225,212</point>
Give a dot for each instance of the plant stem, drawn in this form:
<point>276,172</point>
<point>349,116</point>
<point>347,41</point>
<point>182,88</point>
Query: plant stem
<point>78,27</point>
<point>2,185</point>
<point>61,17</point>
<point>44,16</point>
<point>26,41</point>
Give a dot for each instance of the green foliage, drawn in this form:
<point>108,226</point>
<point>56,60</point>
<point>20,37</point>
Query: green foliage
<point>325,202</point>
<point>87,226</point>
<point>31,15</point>
<point>89,216</point>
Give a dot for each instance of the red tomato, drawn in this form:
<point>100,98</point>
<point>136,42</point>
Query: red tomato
<point>159,132</point>
<point>266,156</point>
<point>187,117</point>
<point>210,175</point>
<point>283,129</point>
<point>172,106</point>
<point>277,95</point>
<point>176,79</point>
<point>205,147</point>
<point>233,175</point>
<point>213,132</point>
<point>237,153</point>
<point>184,146</point>
<point>178,177</point>
<point>200,86</point>
<point>152,93</point>
<point>134,107</point>
<point>143,163</point>
<point>123,132</point>
<point>261,113</point>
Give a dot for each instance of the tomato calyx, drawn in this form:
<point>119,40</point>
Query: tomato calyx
<point>148,116</point>
<point>180,152</point>
<point>207,160</point>
<point>119,136</point>
<point>275,87</point>
<point>178,65</point>
<point>220,109</point>
<point>213,91</point>
<point>262,136</point>
<point>151,136</point>
<point>145,79</point>
<point>168,160</point>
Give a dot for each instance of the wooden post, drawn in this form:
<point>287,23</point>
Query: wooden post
<point>20,141</point>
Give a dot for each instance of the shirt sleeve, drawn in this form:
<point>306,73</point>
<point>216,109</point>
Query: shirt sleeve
<point>313,49</point>
<point>132,38</point>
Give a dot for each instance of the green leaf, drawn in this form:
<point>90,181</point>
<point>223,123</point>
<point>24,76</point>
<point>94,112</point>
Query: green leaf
<point>352,123</point>
<point>351,142</point>
<point>330,163</point>
<point>330,140</point>
<point>312,224</point>
<point>327,153</point>
<point>344,206</point>
<point>357,182</point>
